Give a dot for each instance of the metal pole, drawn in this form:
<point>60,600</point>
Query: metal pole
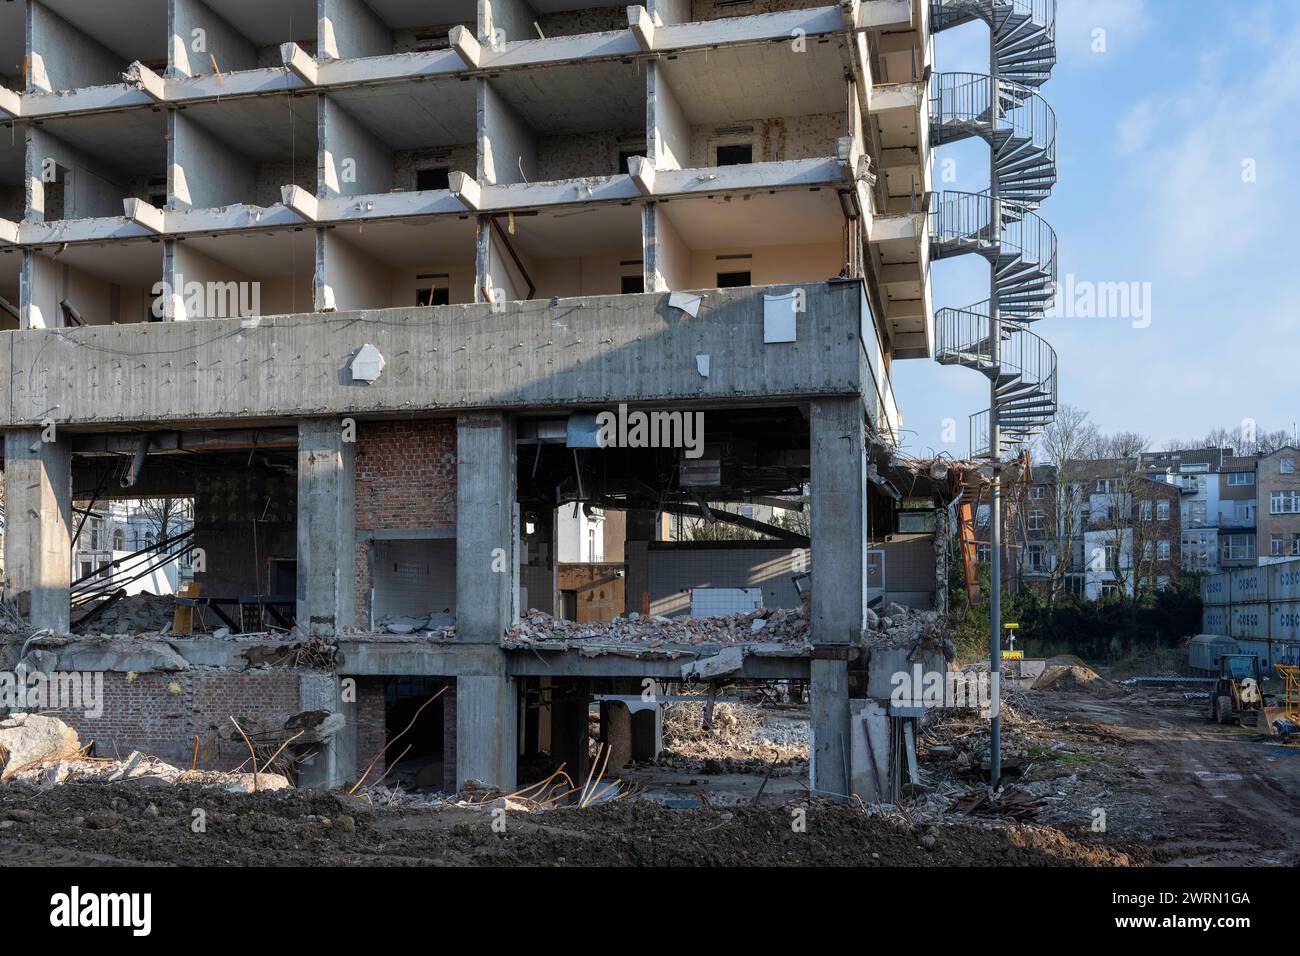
<point>995,442</point>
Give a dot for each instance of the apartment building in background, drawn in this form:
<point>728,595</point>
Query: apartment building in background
<point>1278,505</point>
<point>1109,530</point>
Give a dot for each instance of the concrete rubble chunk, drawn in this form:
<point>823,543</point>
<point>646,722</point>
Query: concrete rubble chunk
<point>29,740</point>
<point>727,661</point>
<point>121,654</point>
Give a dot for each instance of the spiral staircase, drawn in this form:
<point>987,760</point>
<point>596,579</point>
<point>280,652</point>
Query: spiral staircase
<point>1006,110</point>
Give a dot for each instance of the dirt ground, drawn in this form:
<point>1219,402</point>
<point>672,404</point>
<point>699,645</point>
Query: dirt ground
<point>1196,793</point>
<point>1175,788</point>
<point>75,825</point>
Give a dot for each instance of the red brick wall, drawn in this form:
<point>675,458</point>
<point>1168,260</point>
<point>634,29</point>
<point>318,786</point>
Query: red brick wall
<point>406,478</point>
<point>371,730</point>
<point>159,714</point>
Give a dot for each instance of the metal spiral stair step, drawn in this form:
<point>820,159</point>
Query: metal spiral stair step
<point>1006,111</point>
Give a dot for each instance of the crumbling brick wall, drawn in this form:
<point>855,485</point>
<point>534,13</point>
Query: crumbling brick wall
<point>160,713</point>
<point>372,729</point>
<point>406,479</point>
<point>372,732</point>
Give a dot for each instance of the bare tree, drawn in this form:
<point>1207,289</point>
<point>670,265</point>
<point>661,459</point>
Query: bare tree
<point>1128,499</point>
<point>167,516</point>
<point>1064,446</point>
<point>1245,439</point>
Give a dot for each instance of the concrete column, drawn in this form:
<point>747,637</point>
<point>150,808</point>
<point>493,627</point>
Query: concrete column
<point>831,748</point>
<point>332,764</point>
<point>38,531</point>
<point>486,565</point>
<point>839,520</point>
<point>487,730</point>
<point>642,528</point>
<point>326,526</point>
<point>616,732</point>
<point>839,575</point>
<point>487,703</point>
<point>647,733</point>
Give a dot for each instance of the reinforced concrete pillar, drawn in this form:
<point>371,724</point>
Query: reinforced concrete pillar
<point>838,487</point>
<point>39,527</point>
<point>647,732</point>
<point>332,764</point>
<point>327,570</point>
<point>616,733</point>
<point>487,569</point>
<point>487,730</point>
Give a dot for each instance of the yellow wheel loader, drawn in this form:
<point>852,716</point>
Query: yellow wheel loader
<point>1236,692</point>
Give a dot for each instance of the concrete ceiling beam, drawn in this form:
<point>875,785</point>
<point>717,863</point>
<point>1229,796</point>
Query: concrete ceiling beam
<point>146,81</point>
<point>11,103</point>
<point>465,188</point>
<point>466,46</point>
<point>145,215</point>
<point>301,202</point>
<point>642,26</point>
<point>298,62</point>
<point>643,174</point>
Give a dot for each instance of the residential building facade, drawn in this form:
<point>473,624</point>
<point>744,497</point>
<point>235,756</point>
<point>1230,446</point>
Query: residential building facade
<point>1109,531</point>
<point>1278,505</point>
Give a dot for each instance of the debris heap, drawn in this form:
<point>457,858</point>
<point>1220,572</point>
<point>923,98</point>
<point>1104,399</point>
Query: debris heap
<point>765,625</point>
<point>135,614</point>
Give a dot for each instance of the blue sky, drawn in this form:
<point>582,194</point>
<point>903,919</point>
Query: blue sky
<point>1174,147</point>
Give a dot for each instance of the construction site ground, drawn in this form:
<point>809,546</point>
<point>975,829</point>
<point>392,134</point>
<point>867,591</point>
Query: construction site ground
<point>1197,793</point>
<point>1174,789</point>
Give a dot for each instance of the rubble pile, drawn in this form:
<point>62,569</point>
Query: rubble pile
<point>737,738</point>
<point>902,626</point>
<point>765,625</point>
<point>142,770</point>
<point>440,625</point>
<point>45,752</point>
<point>1057,768</point>
<point>1069,674</point>
<point>135,614</point>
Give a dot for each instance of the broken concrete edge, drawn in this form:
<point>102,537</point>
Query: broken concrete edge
<point>121,653</point>
<point>146,81</point>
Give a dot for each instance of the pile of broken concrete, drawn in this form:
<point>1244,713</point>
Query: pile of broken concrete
<point>765,625</point>
<point>43,751</point>
<point>901,626</point>
<point>135,614</point>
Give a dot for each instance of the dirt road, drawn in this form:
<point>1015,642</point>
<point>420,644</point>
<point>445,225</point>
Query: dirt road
<point>1206,793</point>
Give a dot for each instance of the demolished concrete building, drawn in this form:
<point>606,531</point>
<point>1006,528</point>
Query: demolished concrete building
<point>360,285</point>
